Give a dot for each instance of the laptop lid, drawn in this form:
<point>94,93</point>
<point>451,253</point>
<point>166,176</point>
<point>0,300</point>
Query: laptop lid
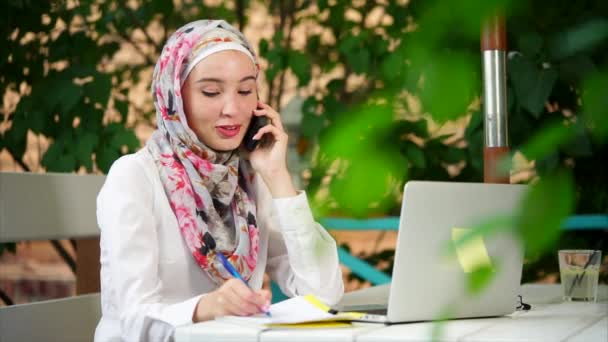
<point>426,284</point>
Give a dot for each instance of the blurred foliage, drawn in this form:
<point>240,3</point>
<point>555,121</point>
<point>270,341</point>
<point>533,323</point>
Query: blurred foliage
<point>60,59</point>
<point>11,247</point>
<point>381,78</point>
<point>57,55</point>
<point>557,105</point>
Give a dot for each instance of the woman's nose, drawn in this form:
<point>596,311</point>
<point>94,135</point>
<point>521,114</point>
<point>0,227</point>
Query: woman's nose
<point>231,105</point>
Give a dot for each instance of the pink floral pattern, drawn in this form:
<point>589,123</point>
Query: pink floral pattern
<point>202,185</point>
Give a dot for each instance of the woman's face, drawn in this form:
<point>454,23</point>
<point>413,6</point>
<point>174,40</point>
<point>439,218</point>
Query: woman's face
<point>219,96</point>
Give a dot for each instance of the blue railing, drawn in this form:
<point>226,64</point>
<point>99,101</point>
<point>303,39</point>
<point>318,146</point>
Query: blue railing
<point>577,222</point>
<point>586,222</point>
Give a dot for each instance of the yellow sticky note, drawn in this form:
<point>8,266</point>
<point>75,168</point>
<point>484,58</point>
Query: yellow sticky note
<point>313,325</point>
<point>472,254</point>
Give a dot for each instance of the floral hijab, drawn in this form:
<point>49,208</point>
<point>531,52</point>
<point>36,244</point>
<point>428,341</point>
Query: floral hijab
<point>207,189</point>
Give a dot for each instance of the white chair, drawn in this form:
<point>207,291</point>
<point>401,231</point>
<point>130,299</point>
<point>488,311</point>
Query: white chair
<point>42,207</point>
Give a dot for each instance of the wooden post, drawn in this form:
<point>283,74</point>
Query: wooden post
<point>496,142</point>
<point>87,266</point>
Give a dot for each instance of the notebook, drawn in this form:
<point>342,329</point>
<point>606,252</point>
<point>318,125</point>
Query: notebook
<point>427,285</point>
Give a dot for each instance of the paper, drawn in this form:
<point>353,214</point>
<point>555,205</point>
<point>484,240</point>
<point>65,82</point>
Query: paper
<point>302,311</point>
<point>294,310</point>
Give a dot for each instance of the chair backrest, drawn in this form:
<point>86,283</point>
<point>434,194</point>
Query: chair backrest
<point>42,207</point>
<point>66,319</point>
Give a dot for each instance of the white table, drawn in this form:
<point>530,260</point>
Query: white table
<point>550,319</point>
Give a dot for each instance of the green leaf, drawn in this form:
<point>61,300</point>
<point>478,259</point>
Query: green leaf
<point>58,157</point>
<point>532,84</point>
<point>313,43</point>
<point>577,68</point>
<point>124,137</point>
<point>331,107</point>
<point>543,211</point>
<point>475,123</point>
<point>299,64</point>
<point>582,37</point>
<point>475,149</point>
<point>264,47</point>
<point>335,85</point>
<point>104,158</point>
<point>163,7</point>
<point>348,44</point>
<point>544,142</point>
<point>419,128</point>
<point>595,104</point>
<point>453,155</point>
<point>450,84</point>
<point>33,118</point>
<point>439,323</point>
<point>530,44</point>
<point>580,145</point>
<point>70,94</point>
<point>87,142</point>
<point>322,4</point>
<point>525,124</point>
<point>99,89</point>
<point>415,155</point>
<point>358,141</point>
<point>357,130</point>
<point>312,124</point>
<point>356,192</point>
<point>392,67</point>
<point>359,60</point>
<point>336,15</point>
<point>123,108</point>
<point>480,278</point>
<point>548,164</point>
<point>15,138</point>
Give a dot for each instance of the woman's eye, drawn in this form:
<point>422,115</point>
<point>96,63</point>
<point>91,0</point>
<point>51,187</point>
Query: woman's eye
<point>245,92</point>
<point>210,93</point>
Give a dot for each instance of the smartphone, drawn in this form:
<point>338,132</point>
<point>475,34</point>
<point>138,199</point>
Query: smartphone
<point>256,123</point>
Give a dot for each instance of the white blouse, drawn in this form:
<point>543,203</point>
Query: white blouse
<point>150,283</point>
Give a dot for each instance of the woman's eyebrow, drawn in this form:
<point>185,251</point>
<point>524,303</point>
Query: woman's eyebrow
<point>210,79</point>
<point>246,78</point>
<point>218,80</point>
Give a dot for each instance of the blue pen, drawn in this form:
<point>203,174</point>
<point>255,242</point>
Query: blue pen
<point>234,272</point>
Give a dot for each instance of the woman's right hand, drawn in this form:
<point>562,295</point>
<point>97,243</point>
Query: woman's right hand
<point>232,298</point>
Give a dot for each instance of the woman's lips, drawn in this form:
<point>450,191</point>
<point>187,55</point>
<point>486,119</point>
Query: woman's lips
<point>228,131</point>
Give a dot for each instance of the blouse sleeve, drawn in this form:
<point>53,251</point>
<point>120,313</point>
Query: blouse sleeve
<point>130,256</point>
<point>302,256</point>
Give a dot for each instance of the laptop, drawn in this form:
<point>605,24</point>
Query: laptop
<point>428,283</point>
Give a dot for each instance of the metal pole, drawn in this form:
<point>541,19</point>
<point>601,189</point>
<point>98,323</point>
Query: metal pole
<point>496,142</point>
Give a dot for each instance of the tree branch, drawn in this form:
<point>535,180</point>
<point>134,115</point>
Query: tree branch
<point>18,161</point>
<point>67,258</point>
<point>23,166</point>
<point>291,14</point>
<point>5,298</point>
<point>127,39</point>
<point>240,14</point>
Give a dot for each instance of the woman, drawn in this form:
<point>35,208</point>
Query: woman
<point>168,211</point>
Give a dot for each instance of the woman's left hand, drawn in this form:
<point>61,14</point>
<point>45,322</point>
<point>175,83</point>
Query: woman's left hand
<point>270,160</point>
